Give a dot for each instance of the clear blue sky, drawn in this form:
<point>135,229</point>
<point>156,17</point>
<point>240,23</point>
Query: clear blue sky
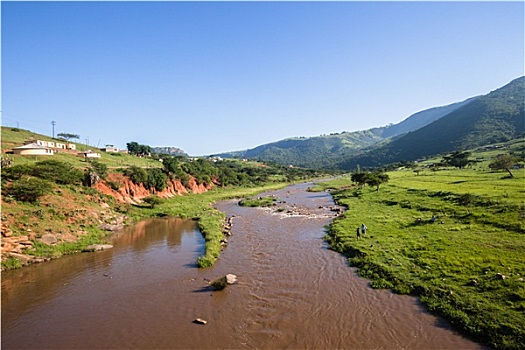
<point>210,77</point>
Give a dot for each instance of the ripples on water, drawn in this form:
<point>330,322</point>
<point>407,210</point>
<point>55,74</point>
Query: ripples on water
<point>292,293</point>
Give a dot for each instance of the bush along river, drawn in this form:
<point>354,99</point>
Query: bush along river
<point>146,292</point>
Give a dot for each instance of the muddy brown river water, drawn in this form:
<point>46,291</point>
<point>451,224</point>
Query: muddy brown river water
<point>292,292</point>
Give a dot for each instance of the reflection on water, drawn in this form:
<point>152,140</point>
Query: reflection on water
<point>141,251</point>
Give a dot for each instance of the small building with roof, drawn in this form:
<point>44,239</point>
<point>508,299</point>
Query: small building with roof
<point>88,154</point>
<point>33,149</point>
<point>110,149</point>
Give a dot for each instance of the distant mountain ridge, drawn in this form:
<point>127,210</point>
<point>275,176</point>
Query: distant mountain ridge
<point>326,151</point>
<point>496,117</point>
<point>168,150</point>
<point>478,120</point>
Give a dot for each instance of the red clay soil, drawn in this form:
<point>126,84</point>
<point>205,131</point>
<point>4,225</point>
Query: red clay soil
<point>128,192</point>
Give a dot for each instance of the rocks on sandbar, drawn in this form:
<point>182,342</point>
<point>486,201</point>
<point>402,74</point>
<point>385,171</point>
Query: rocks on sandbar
<point>228,226</point>
<point>109,227</point>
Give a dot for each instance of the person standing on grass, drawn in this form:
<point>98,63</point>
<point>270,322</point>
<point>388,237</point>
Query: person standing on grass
<point>358,233</point>
<point>363,229</point>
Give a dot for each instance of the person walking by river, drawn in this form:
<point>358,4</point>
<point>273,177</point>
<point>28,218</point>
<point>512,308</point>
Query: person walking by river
<point>363,229</point>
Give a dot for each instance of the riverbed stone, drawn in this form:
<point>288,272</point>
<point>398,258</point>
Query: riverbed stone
<point>49,239</point>
<point>200,321</point>
<point>109,227</point>
<point>222,282</point>
<point>97,247</point>
<point>24,259</point>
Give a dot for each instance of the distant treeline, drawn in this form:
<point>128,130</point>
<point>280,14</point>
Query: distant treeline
<point>218,172</point>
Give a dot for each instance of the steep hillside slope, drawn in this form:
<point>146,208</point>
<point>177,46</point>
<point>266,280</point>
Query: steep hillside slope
<point>495,117</point>
<point>423,118</point>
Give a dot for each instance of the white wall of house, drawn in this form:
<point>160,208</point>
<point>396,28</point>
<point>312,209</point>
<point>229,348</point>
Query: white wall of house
<point>33,150</point>
<point>88,154</point>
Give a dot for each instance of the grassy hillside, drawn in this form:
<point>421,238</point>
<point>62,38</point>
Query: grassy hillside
<point>14,137</point>
<point>467,266</point>
<point>423,118</point>
<point>496,117</point>
<point>311,152</point>
<point>314,152</point>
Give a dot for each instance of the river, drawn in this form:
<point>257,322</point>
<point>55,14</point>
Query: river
<point>292,291</point>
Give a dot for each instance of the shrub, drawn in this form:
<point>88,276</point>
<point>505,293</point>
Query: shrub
<point>59,172</point>
<point>114,185</point>
<point>153,201</point>
<point>100,168</point>
<point>151,178</point>
<point>156,179</point>
<point>136,174</point>
<point>29,189</point>
<point>16,172</point>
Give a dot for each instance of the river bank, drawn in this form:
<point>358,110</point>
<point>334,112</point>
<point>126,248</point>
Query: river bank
<point>91,217</point>
<point>466,265</point>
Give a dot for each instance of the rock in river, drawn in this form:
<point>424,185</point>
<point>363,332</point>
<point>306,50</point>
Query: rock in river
<point>96,247</point>
<point>221,282</point>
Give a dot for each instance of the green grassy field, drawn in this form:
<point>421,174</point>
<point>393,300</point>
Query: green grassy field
<point>12,137</point>
<point>468,265</point>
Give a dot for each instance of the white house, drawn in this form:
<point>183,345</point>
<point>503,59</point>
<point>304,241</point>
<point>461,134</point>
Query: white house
<point>51,144</point>
<point>60,145</point>
<point>88,154</point>
<point>110,149</point>
<point>33,149</point>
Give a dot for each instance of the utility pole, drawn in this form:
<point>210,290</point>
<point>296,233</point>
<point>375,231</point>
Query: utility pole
<point>53,123</point>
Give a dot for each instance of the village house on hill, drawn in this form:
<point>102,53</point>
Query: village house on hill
<point>110,149</point>
<point>33,149</point>
<point>88,154</point>
<point>53,145</point>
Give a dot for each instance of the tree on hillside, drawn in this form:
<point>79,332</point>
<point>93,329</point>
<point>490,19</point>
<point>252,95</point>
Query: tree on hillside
<point>359,178</point>
<point>68,136</point>
<point>376,179</point>
<point>137,149</point>
<point>372,179</point>
<point>504,162</point>
<point>457,159</point>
